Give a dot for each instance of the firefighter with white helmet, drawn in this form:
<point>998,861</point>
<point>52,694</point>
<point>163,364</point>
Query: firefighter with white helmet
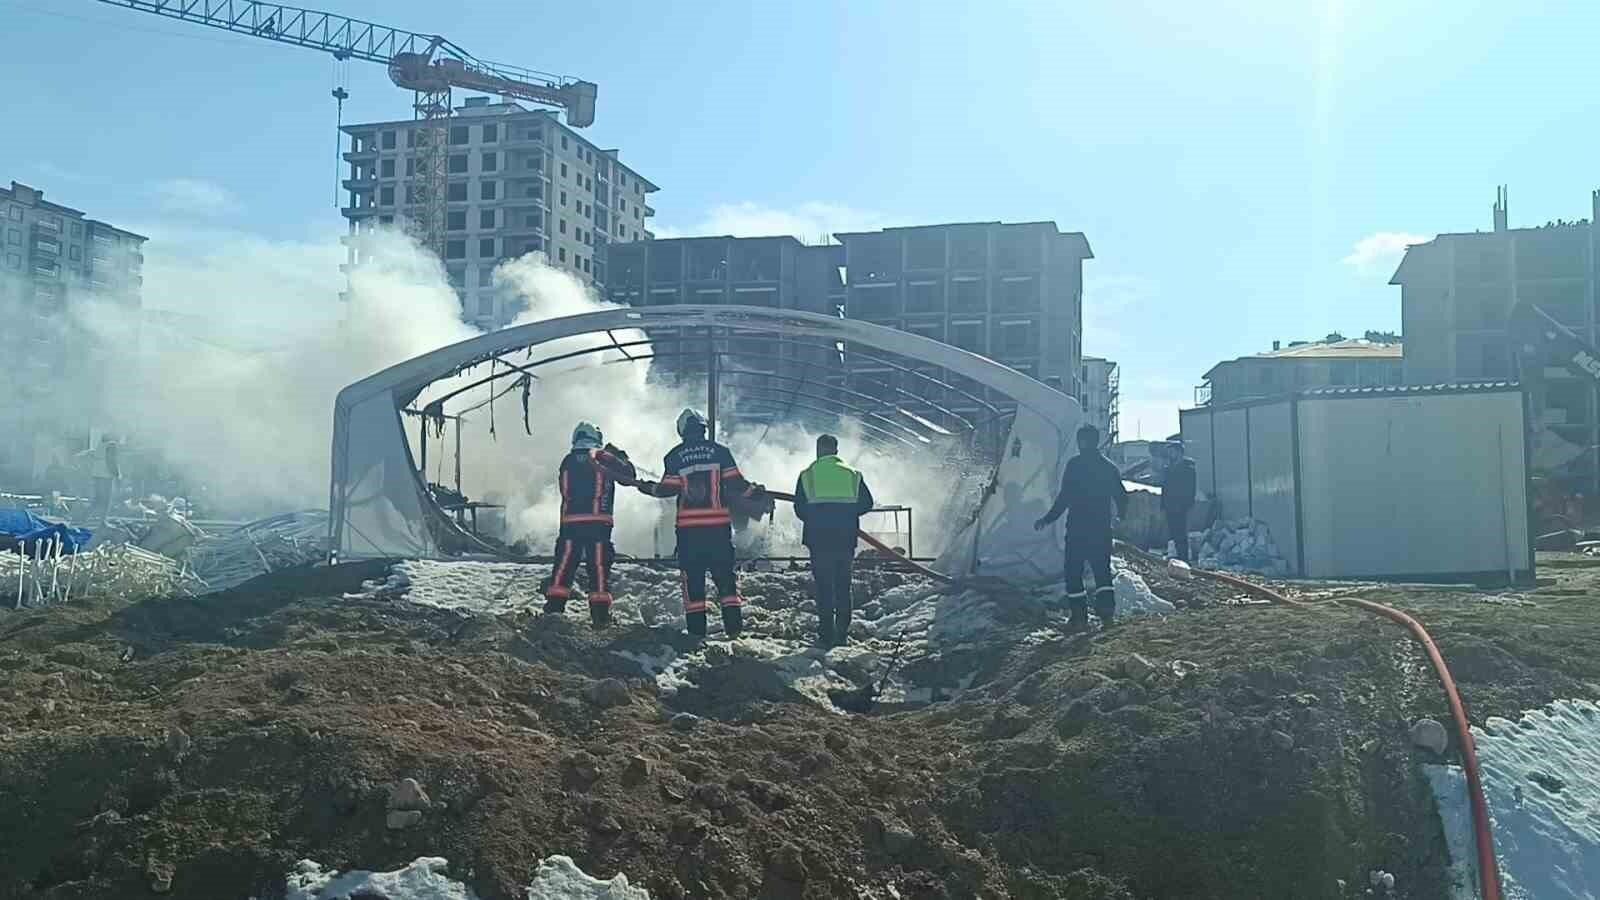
<point>589,476</point>
<point>704,477</point>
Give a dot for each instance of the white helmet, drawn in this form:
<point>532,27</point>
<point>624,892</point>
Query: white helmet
<point>690,419</point>
<point>586,437</point>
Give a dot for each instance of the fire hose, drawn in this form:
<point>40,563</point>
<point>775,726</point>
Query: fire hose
<point>880,546</point>
<point>1488,866</point>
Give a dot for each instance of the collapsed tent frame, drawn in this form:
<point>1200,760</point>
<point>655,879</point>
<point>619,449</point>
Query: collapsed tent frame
<point>380,504</point>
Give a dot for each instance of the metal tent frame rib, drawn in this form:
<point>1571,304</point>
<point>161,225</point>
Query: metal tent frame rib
<point>380,507</point>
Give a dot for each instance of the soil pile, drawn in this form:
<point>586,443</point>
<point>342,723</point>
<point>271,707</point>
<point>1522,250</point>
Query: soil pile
<point>202,747</point>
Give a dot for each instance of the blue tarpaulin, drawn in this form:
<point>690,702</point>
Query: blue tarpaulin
<point>23,531</point>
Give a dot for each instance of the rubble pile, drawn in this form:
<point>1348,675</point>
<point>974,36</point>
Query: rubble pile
<point>1242,545</point>
<point>282,542</point>
<point>109,572</point>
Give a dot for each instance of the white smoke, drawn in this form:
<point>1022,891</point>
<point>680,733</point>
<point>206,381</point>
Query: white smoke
<point>251,428</point>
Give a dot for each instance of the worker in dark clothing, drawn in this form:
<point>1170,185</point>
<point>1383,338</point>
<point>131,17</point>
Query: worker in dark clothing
<point>829,497</point>
<point>1090,487</point>
<point>702,474</point>
<point>1177,499</point>
<point>589,476</point>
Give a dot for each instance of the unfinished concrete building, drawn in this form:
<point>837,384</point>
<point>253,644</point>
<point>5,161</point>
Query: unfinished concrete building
<point>1302,366</point>
<point>1457,294</point>
<point>1011,292</point>
<point>1101,397</point>
<point>766,272</point>
<point>50,257</point>
<point>520,181</point>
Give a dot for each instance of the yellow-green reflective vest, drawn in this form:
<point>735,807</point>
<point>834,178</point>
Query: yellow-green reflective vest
<point>830,481</point>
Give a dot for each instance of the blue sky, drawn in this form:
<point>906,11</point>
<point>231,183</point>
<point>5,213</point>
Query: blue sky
<point>1245,170</point>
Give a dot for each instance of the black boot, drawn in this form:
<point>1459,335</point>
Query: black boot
<point>555,604</point>
<point>600,614</point>
<point>697,623</point>
<point>732,620</point>
<point>1107,611</point>
<point>824,629</point>
<point>1077,616</point>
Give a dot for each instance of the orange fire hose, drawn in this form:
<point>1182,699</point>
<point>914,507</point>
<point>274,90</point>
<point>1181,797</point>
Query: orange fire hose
<point>879,545</point>
<point>1488,866</point>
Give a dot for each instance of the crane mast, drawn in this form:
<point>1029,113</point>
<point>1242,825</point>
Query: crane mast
<point>428,65</point>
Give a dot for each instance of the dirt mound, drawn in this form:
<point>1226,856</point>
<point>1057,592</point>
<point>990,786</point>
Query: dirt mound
<point>200,748</point>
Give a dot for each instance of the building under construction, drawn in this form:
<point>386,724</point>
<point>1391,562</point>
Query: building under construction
<point>519,181</point>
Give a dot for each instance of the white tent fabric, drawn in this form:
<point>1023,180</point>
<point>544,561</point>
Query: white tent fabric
<point>377,499</point>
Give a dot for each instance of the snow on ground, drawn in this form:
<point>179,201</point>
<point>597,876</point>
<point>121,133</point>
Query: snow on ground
<point>423,879</point>
<point>917,619</point>
<point>1134,597</point>
<point>1542,781</point>
<point>557,878</point>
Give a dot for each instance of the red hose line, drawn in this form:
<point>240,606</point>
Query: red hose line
<point>880,546</point>
<point>1488,866</point>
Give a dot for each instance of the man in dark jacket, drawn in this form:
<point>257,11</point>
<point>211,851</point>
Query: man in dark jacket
<point>1090,486</point>
<point>829,497</point>
<point>1177,498</point>
<point>589,475</point>
<point>702,474</point>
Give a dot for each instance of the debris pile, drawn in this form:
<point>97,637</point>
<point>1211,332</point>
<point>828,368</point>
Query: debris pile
<point>1242,545</point>
<point>111,572</point>
<point>269,545</point>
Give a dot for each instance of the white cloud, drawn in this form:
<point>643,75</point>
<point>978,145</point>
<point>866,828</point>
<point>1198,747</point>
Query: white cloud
<point>193,196</point>
<point>811,222</point>
<point>1379,253</point>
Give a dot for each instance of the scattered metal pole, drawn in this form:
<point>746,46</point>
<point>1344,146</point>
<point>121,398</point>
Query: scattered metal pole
<point>22,559</point>
<point>55,564</point>
<point>458,455</point>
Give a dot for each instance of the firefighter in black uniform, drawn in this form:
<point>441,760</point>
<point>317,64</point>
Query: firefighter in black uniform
<point>589,477</point>
<point>702,474</point>
<point>1090,486</point>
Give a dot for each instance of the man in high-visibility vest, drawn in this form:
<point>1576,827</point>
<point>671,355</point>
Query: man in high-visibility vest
<point>829,497</point>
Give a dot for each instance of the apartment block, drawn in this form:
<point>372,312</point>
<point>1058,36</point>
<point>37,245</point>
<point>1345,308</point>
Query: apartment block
<point>1302,366</point>
<point>1011,292</point>
<point>1457,293</point>
<point>772,272</point>
<point>519,182</point>
<point>1101,396</point>
<point>52,256</point>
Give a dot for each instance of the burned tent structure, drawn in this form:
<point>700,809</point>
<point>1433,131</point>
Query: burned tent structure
<point>381,506</point>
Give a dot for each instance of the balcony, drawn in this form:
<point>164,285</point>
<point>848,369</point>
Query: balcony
<point>46,246</point>
<point>47,226</point>
<point>360,184</point>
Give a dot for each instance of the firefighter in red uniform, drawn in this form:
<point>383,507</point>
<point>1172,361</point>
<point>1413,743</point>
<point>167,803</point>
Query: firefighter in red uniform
<point>589,477</point>
<point>702,474</point>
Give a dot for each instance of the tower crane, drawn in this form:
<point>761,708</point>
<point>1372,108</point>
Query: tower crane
<point>428,65</point>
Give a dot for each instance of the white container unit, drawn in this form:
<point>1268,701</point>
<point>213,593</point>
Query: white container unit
<point>1424,483</point>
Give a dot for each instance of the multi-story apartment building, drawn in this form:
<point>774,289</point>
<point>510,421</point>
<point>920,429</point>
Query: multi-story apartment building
<point>773,272</point>
<point>519,182</point>
<point>52,256</point>
<point>1011,292</point>
<point>1457,293</point>
<point>1301,366</point>
<point>1100,398</point>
